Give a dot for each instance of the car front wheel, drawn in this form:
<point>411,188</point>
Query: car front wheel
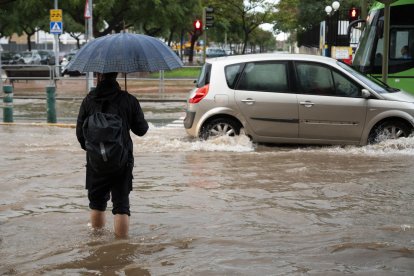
<point>389,130</point>
<point>220,127</point>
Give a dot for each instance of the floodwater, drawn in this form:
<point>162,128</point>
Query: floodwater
<point>220,207</point>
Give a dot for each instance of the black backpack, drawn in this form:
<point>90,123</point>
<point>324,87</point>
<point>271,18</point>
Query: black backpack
<point>104,139</point>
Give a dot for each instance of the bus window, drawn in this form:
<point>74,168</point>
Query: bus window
<point>379,52</point>
<point>402,43</point>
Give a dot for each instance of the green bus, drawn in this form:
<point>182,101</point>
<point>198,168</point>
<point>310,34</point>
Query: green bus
<point>368,55</point>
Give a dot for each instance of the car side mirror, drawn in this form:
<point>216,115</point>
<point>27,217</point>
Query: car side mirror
<point>365,94</point>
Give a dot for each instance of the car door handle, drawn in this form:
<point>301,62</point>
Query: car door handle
<point>248,101</point>
<point>307,103</point>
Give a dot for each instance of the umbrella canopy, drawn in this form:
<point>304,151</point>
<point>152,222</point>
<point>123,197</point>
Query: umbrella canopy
<point>124,53</point>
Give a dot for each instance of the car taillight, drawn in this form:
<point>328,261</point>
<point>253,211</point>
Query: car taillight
<point>200,94</point>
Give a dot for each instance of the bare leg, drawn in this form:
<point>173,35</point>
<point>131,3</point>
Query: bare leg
<point>97,219</point>
<point>121,225</point>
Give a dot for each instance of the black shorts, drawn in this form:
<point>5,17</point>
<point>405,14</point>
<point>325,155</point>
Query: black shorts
<point>102,187</point>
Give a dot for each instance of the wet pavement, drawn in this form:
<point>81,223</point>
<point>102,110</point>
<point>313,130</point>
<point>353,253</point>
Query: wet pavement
<point>220,207</point>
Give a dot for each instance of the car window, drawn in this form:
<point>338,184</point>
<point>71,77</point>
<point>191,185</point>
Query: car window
<point>344,87</point>
<point>264,76</point>
<point>373,83</point>
<point>204,77</point>
<point>232,72</point>
<point>314,79</point>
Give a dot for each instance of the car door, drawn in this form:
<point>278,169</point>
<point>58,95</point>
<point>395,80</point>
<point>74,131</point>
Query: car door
<point>330,105</point>
<point>264,98</point>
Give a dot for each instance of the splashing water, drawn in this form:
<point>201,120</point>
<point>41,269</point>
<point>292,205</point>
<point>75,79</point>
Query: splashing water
<point>156,140</point>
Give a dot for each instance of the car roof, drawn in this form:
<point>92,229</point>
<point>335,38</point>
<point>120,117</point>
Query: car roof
<point>269,56</point>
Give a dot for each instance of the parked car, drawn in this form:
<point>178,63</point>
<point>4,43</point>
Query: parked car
<point>215,52</point>
<point>11,58</point>
<point>288,98</point>
<point>31,57</point>
<point>47,57</point>
<point>65,61</point>
<point>7,57</point>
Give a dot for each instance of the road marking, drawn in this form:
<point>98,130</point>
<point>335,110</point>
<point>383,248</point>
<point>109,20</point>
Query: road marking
<point>179,123</point>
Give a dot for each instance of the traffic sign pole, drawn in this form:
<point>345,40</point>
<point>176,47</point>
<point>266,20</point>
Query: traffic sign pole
<point>89,18</point>
<point>56,45</point>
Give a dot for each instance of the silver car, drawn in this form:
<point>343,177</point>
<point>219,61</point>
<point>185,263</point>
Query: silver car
<point>289,98</point>
<point>31,57</point>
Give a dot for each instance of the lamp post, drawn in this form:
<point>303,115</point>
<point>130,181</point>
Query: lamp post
<point>331,34</point>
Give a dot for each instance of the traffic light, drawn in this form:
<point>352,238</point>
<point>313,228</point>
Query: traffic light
<point>198,27</point>
<point>208,17</point>
<point>353,14</point>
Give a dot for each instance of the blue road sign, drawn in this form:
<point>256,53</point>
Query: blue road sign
<point>56,27</point>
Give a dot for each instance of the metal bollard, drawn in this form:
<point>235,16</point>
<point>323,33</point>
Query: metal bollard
<point>51,104</point>
<point>8,104</point>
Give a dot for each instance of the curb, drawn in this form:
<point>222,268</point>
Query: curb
<point>81,98</point>
<point>61,125</point>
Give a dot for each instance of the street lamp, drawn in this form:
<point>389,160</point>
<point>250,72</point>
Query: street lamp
<point>330,10</point>
<point>335,6</point>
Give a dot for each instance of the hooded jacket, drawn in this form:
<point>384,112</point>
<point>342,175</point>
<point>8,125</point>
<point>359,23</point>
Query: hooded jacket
<point>128,106</point>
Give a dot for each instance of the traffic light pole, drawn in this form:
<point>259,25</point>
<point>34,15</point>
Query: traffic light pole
<point>204,35</point>
<point>208,21</point>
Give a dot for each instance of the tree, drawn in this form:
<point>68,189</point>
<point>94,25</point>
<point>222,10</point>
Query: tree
<point>28,17</point>
<point>73,28</point>
<point>7,21</point>
<point>301,15</point>
<point>244,16</point>
<point>264,39</point>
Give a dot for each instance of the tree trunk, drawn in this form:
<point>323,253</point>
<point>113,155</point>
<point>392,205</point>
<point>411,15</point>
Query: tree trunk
<point>181,43</point>
<point>191,54</point>
<point>170,37</point>
<point>29,45</point>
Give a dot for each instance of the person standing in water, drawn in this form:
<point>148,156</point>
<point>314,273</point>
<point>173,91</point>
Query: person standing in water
<point>116,184</point>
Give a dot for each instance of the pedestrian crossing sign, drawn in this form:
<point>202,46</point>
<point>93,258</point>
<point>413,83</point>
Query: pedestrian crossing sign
<point>55,27</point>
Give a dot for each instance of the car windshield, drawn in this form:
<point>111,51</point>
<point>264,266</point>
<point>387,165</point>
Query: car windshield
<point>373,83</point>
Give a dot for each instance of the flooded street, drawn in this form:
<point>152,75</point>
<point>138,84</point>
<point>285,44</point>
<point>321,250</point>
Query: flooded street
<point>221,207</point>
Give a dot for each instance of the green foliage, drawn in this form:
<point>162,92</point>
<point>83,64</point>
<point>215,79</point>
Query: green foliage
<point>24,17</point>
<point>184,72</point>
<point>296,16</point>
<point>239,19</point>
<point>235,20</point>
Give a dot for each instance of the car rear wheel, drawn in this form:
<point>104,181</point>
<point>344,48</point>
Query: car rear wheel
<point>389,130</point>
<point>220,127</point>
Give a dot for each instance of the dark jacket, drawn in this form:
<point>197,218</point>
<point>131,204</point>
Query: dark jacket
<point>129,108</point>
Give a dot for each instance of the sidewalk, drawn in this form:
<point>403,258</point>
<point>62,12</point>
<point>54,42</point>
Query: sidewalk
<point>73,87</point>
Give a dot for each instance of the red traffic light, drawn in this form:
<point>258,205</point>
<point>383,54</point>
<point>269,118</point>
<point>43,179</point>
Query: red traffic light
<point>197,24</point>
<point>353,14</point>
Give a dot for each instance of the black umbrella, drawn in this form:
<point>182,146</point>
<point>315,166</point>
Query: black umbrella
<point>124,53</point>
